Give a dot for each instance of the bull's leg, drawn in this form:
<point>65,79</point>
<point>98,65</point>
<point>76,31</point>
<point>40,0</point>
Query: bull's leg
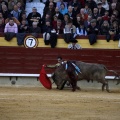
<point>74,83</point>
<point>74,86</point>
<point>105,83</point>
<point>69,84</point>
<point>73,80</point>
<point>62,85</point>
<point>107,87</point>
<point>103,87</point>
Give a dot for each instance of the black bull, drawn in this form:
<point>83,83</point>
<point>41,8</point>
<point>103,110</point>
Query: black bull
<point>88,71</point>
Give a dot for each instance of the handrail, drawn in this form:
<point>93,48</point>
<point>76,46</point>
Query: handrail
<point>37,75</point>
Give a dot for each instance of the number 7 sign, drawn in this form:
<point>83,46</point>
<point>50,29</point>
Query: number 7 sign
<point>30,42</point>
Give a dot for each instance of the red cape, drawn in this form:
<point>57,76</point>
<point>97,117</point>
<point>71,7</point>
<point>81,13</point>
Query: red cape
<point>44,79</point>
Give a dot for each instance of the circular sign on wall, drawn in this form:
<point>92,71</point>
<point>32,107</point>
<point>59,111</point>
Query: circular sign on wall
<point>30,42</point>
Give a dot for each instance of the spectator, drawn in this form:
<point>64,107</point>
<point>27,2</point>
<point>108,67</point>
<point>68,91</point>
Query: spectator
<point>114,28</point>
<point>117,4</point>
<point>5,12</point>
<point>82,3</point>
<point>34,16</point>
<point>104,30</point>
<point>106,16</point>
<point>112,19</point>
<point>1,26</point>
<point>23,17</point>
<point>20,6</point>
<point>70,28</point>
<point>97,16</point>
<point>15,12</point>
<point>112,8</point>
<point>74,3</point>
<point>91,4</point>
<point>78,21</point>
<point>35,30</point>
<point>93,28</point>
<point>105,4</point>
<point>87,22</point>
<point>59,27</point>
<point>48,2</point>
<point>81,30</point>
<point>101,10</point>
<point>92,31</point>
<point>11,26</point>
<point>47,28</point>
<point>22,2</point>
<point>87,10</point>
<point>14,19</point>
<point>59,2</point>
<point>74,45</point>
<point>49,10</point>
<point>63,9</point>
<point>47,17</point>
<point>83,15</point>
<point>23,27</point>
<point>58,14</point>
<point>76,10</point>
<point>69,31</point>
<point>115,12</point>
<point>11,4</point>
<point>70,13</point>
<point>54,22</point>
<point>66,19</point>
<point>1,18</point>
<point>4,2</point>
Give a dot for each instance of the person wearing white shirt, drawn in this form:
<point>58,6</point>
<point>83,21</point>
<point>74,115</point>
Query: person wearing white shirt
<point>74,45</point>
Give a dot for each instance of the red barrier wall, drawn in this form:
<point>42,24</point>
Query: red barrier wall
<point>26,60</point>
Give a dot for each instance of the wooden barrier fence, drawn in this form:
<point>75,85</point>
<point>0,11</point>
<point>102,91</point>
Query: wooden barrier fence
<point>29,60</point>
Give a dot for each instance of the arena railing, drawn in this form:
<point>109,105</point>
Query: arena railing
<point>16,75</point>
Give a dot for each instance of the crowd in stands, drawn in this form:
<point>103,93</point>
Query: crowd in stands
<point>69,17</point>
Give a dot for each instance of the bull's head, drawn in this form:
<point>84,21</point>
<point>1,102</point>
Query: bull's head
<point>59,81</point>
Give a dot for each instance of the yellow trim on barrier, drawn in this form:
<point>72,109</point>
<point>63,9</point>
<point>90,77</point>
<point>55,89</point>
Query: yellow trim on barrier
<point>101,44</point>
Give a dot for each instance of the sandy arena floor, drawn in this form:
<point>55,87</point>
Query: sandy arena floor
<point>38,103</point>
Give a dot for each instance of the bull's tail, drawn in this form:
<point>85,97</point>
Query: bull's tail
<point>117,76</point>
